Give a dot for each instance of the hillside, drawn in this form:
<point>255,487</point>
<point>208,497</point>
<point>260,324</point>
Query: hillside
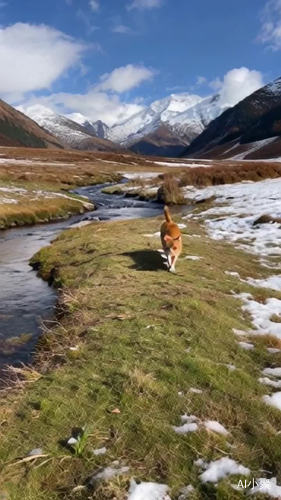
<point>251,129</point>
<point>70,133</point>
<point>16,129</point>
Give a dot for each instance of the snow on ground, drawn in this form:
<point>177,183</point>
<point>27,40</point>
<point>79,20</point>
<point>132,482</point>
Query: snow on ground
<point>261,314</point>
<point>272,282</point>
<point>252,147</point>
<point>191,423</point>
<point>109,472</point>
<point>237,207</point>
<point>273,400</point>
<point>184,165</point>
<point>246,345</point>
<point>213,425</point>
<point>273,372</point>
<point>267,487</point>
<point>148,491</point>
<point>140,175</point>
<point>18,161</point>
<point>219,469</point>
<point>153,235</point>
<point>272,383</point>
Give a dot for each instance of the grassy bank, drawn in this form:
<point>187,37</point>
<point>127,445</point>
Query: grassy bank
<point>130,343</point>
<point>35,184</point>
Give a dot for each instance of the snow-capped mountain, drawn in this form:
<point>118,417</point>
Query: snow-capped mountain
<point>165,127</point>
<point>70,133</point>
<point>16,129</point>
<point>97,128</point>
<point>152,117</point>
<point>250,129</point>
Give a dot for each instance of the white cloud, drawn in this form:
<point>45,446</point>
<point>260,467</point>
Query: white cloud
<point>124,78</point>
<point>216,84</point>
<point>94,4</point>
<point>271,25</point>
<point>101,102</point>
<point>201,80</point>
<point>122,29</point>
<point>238,83</point>
<point>33,57</point>
<point>94,105</point>
<point>144,4</point>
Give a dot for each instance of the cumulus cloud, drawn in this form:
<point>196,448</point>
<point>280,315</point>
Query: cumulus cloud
<point>144,4</point>
<point>33,57</point>
<point>94,4</point>
<point>124,78</point>
<point>270,33</point>
<point>238,83</point>
<point>94,105</point>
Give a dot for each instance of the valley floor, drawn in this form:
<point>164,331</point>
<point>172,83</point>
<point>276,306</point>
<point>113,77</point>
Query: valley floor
<point>146,375</point>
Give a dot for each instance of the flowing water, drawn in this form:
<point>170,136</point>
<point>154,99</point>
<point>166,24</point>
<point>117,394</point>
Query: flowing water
<point>25,299</point>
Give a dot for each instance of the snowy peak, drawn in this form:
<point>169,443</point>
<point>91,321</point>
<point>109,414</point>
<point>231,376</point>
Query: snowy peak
<point>238,130</point>
<point>71,133</point>
<point>97,128</point>
<point>177,118</point>
<point>146,121</point>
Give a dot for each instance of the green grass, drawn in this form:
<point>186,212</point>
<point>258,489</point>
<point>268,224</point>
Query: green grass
<point>143,335</point>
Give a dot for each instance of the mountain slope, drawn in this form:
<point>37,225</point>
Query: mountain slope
<point>237,130</point>
<point>16,129</point>
<point>70,133</point>
<point>168,125</point>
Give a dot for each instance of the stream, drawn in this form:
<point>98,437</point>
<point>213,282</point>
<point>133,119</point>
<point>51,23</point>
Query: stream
<point>26,301</point>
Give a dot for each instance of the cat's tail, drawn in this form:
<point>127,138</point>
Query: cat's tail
<point>167,214</point>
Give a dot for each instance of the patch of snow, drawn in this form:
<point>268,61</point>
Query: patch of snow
<point>273,372</point>
<point>272,383</point>
<point>153,235</point>
<point>100,451</point>
<point>185,165</point>
<point>148,491</point>
<point>273,400</point>
<point>267,487</point>
<point>240,333</point>
<point>140,175</point>
<point>261,314</point>
<point>108,473</point>
<point>185,428</point>
<point>221,468</point>
<point>273,350</point>
<point>238,206</point>
<point>273,282</point>
<point>213,425</point>
<point>246,345</point>
<point>232,273</point>
<point>195,391</point>
<point>252,147</point>
<point>192,257</point>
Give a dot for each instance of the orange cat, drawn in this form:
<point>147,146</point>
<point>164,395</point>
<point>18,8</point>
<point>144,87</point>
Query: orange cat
<point>171,240</point>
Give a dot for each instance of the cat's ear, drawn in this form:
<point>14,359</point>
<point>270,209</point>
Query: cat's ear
<point>167,238</point>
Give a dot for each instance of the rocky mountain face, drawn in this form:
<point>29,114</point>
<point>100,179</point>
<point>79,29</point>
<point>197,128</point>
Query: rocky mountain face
<point>16,129</point>
<point>249,130</point>
<point>70,133</point>
<point>163,128</point>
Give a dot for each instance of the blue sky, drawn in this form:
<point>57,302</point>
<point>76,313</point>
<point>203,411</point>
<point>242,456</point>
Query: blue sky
<point>126,53</point>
